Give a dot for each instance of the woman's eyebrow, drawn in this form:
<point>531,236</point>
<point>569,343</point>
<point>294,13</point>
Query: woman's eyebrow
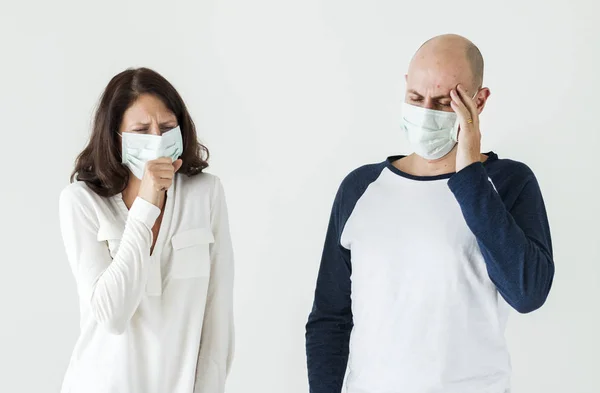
<point>139,123</point>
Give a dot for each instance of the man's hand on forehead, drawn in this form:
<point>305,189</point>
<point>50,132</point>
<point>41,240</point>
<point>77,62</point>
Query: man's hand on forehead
<point>469,135</point>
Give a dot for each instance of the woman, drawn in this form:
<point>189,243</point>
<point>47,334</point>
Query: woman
<point>146,234</point>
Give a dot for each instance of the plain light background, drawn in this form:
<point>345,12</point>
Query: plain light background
<point>290,96</point>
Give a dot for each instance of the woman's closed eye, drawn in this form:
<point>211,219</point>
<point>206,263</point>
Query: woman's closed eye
<point>145,130</point>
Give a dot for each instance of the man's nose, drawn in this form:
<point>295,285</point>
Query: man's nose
<point>428,103</point>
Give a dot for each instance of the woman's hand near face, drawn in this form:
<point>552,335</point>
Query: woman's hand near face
<point>158,177</point>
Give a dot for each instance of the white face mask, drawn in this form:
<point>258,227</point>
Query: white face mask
<point>432,134</point>
<point>137,149</point>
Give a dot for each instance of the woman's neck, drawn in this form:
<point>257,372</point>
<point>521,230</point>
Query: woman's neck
<point>131,191</point>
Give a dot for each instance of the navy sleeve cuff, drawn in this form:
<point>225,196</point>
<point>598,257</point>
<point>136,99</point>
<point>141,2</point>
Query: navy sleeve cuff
<point>467,183</point>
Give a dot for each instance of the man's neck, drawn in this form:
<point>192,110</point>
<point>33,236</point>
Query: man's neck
<point>419,166</point>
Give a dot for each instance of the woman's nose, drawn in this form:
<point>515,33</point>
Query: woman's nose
<point>154,130</point>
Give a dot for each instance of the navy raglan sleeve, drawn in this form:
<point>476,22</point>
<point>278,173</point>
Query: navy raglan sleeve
<point>330,321</point>
<point>513,234</point>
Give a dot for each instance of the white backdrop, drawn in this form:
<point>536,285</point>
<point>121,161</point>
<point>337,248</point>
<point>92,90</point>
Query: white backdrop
<point>290,96</point>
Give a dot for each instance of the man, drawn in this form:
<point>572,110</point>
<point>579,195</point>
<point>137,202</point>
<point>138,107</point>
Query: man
<point>425,254</point>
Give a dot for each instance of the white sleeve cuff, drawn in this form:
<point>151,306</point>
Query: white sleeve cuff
<point>144,211</point>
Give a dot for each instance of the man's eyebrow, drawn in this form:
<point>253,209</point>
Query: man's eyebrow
<point>411,91</point>
<point>436,98</point>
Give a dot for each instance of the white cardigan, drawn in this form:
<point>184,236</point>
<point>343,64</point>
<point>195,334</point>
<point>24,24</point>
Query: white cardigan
<point>160,323</point>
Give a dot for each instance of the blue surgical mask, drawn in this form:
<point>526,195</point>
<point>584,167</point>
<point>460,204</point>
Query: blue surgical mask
<point>138,149</point>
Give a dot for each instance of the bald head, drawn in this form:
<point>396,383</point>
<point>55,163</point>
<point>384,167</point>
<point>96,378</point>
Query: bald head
<point>439,66</point>
<point>452,51</point>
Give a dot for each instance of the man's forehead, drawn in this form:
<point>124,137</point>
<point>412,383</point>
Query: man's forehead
<point>434,81</point>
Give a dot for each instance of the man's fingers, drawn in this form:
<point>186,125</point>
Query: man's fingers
<point>468,101</point>
<point>457,101</point>
<point>464,115</point>
<point>459,107</point>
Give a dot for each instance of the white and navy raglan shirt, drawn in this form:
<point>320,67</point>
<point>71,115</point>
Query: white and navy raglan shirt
<point>418,275</point>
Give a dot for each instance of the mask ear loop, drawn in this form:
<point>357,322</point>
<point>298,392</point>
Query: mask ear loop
<point>121,150</point>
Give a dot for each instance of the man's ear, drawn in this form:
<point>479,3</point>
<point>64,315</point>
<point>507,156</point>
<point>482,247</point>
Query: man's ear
<point>405,77</point>
<point>481,99</point>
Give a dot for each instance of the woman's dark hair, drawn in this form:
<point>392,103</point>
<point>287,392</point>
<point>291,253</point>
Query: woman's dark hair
<point>99,164</point>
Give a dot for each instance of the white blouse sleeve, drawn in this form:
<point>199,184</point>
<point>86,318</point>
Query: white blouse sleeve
<point>217,342</point>
<point>113,288</point>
